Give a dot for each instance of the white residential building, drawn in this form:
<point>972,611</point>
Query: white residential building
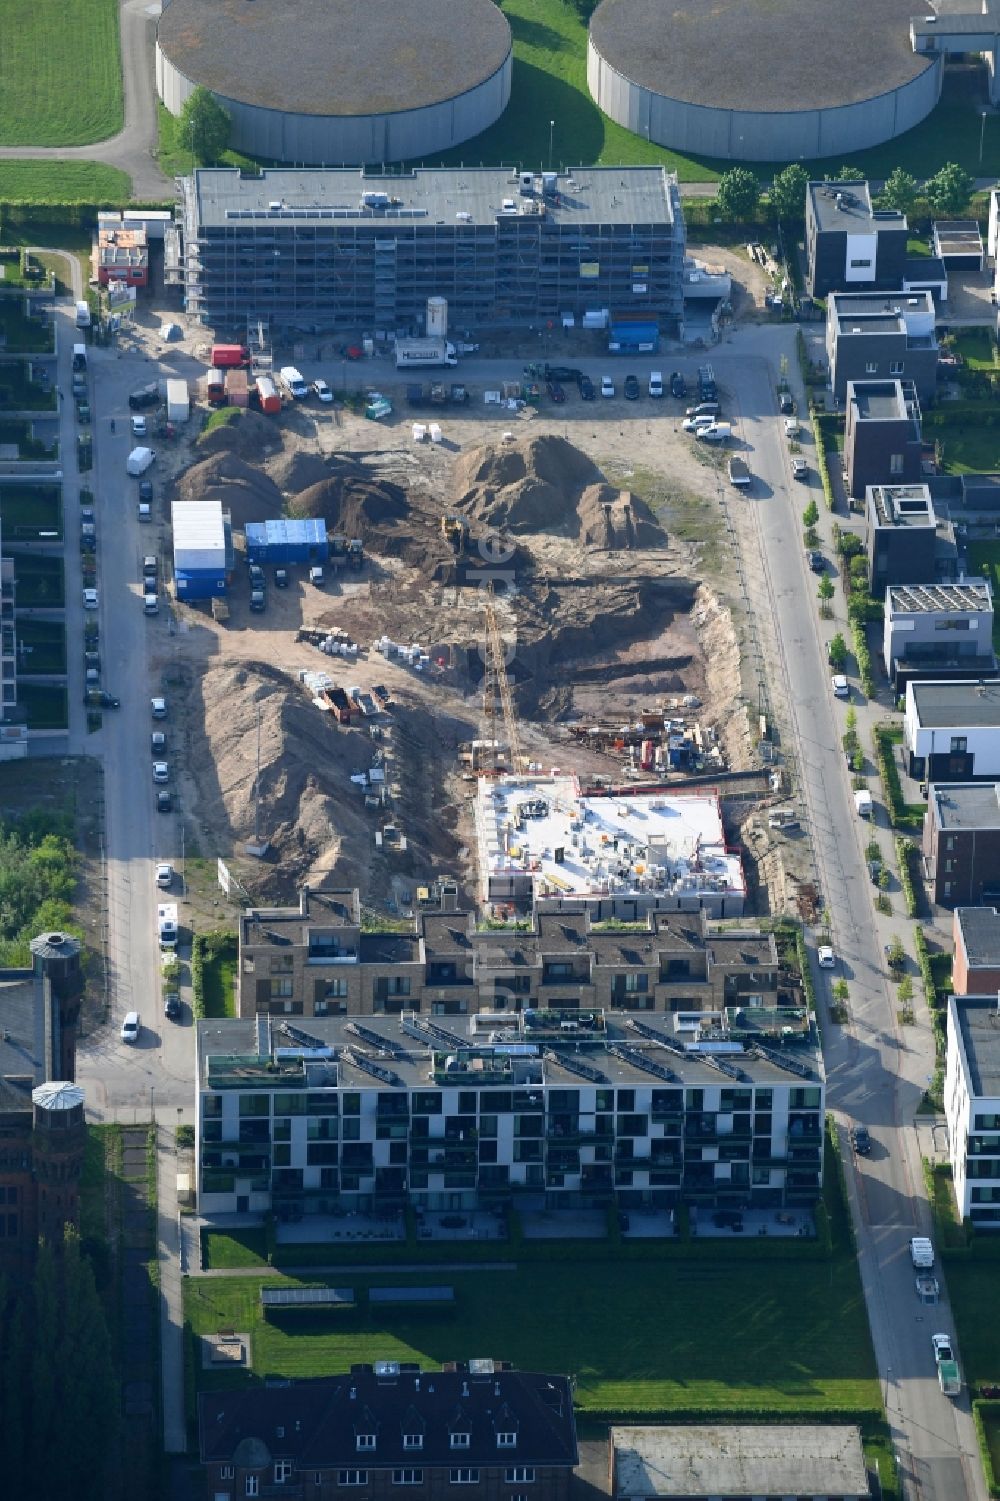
<point>972,1106</point>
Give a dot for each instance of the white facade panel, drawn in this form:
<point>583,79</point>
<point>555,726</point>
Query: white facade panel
<point>860,258</point>
<point>199,536</point>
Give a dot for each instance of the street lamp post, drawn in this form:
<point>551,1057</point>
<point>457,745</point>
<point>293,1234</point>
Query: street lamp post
<point>982,133</point>
<point>552,126</point>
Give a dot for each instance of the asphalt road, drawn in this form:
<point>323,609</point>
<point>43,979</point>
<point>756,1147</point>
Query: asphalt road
<point>872,1076</point>
<point>159,1069</point>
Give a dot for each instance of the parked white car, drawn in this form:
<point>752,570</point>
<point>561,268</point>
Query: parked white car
<point>322,391</point>
<point>825,956</point>
<point>90,599</point>
<point>841,687</point>
<point>607,386</point>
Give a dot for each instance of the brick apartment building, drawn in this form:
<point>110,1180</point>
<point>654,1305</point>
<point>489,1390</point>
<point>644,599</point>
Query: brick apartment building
<point>316,960</point>
<point>976,963</point>
<point>478,1430</point>
<point>41,1110</point>
<point>961,843</point>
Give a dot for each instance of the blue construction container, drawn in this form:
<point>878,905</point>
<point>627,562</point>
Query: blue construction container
<point>634,338</point>
<point>287,541</point>
<point>199,583</point>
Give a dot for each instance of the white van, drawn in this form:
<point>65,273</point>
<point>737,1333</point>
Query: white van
<point>656,383</point>
<point>83,315</point>
<point>292,378</point>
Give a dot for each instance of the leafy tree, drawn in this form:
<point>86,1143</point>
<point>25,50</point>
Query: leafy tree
<point>204,126</point>
<point>896,953</point>
<point>849,544</point>
<point>810,515</point>
<point>810,538</point>
<point>949,190</point>
<point>837,652</point>
<point>846,174</point>
<point>900,191</point>
<point>905,991</point>
<point>788,192</point>
<point>826,587</point>
<point>739,193</point>
<point>859,571</point>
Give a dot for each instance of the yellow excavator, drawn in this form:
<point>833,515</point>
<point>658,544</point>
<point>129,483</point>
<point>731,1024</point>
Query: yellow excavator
<point>455,531</point>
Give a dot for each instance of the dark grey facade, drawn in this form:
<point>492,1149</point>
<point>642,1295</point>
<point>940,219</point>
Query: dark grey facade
<point>901,535</point>
<point>850,245</point>
<point>882,438</point>
<point>358,250</point>
<point>879,336</point>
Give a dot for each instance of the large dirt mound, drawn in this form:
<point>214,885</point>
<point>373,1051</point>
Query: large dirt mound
<point>244,490</point>
<point>298,470</point>
<point>544,484</point>
<point>251,435</point>
<point>354,503</point>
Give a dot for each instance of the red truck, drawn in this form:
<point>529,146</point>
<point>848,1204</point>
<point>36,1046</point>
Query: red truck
<point>267,395</point>
<point>215,388</point>
<point>224,356</point>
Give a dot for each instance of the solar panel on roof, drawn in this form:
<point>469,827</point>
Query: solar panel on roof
<point>575,1065</point>
<point>639,1060</point>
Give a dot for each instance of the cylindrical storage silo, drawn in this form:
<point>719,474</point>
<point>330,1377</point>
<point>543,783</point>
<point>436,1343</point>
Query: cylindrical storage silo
<point>437,317</point>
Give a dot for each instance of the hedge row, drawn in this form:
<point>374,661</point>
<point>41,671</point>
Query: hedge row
<point>905,852</point>
<point>821,464</point>
<point>198,955</point>
<point>863,657</point>
<point>983,1410</point>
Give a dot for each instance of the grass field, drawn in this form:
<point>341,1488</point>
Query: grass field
<point>22,434</point>
<point>19,393</point>
<point>38,580</point>
<point>62,182</point>
<point>44,704</point>
<point>41,646</point>
<point>60,73</point>
<point>972,1287</point>
<point>967,446</point>
<point>21,334</point>
<point>219,981</point>
<point>978,348</point>
<point>26,510</point>
<point>660,1338</point>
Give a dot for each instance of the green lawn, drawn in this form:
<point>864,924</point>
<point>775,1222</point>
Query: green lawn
<point>44,704</point>
<point>38,581</point>
<point>41,646</point>
<point>972,1286</point>
<point>15,431</point>
<point>967,445</point>
<point>26,510</point>
<point>219,980</point>
<point>21,334</point>
<point>978,348</point>
<point>62,182</point>
<point>661,1338</point>
<point>60,72</point>
<point>20,393</point>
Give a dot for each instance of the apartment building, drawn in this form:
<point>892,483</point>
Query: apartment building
<point>961,842</point>
<point>972,1106</point>
<point>951,730</point>
<point>351,249</point>
<point>568,1107</point>
<point>875,335</point>
<point>976,964</point>
<point>882,435</point>
<point>938,630</point>
<point>476,1429</point>
<point>317,960</point>
<point>906,539</point>
<point>849,244</point>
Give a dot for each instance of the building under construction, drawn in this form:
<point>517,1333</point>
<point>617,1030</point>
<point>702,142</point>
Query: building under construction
<point>543,842</point>
<point>342,248</point>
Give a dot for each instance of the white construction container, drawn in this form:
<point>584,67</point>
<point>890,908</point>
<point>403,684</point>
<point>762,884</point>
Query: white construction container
<point>199,536</point>
<point>178,401</point>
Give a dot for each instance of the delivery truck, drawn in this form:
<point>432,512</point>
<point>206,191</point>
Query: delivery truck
<point>178,401</point>
<point>139,460</point>
<point>411,353</point>
<point>949,1377</point>
<point>292,380</point>
<point>226,355</point>
<point>215,388</point>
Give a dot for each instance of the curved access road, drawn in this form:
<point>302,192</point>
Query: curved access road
<point>133,149</point>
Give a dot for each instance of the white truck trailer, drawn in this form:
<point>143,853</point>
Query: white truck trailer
<point>412,353</point>
<point>178,401</point>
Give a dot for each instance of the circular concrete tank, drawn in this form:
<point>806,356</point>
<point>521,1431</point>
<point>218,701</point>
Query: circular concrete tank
<point>760,80</point>
<point>331,82</point>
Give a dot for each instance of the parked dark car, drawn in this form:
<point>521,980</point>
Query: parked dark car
<point>281,578</point>
<point>874,867</point>
<point>164,801</point>
<point>786,405</point>
<point>817,562</point>
<point>561,372</point>
<point>586,388</point>
<point>861,1140</point>
<point>142,400</point>
<point>678,385</point>
<point>146,491</point>
<point>172,1005</point>
<point>631,388</point>
<point>556,392</point>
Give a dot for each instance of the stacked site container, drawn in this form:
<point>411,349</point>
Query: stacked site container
<point>285,541</point>
<point>199,548</point>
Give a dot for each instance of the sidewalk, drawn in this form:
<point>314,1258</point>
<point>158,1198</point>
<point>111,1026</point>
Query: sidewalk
<point>171,1293</point>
